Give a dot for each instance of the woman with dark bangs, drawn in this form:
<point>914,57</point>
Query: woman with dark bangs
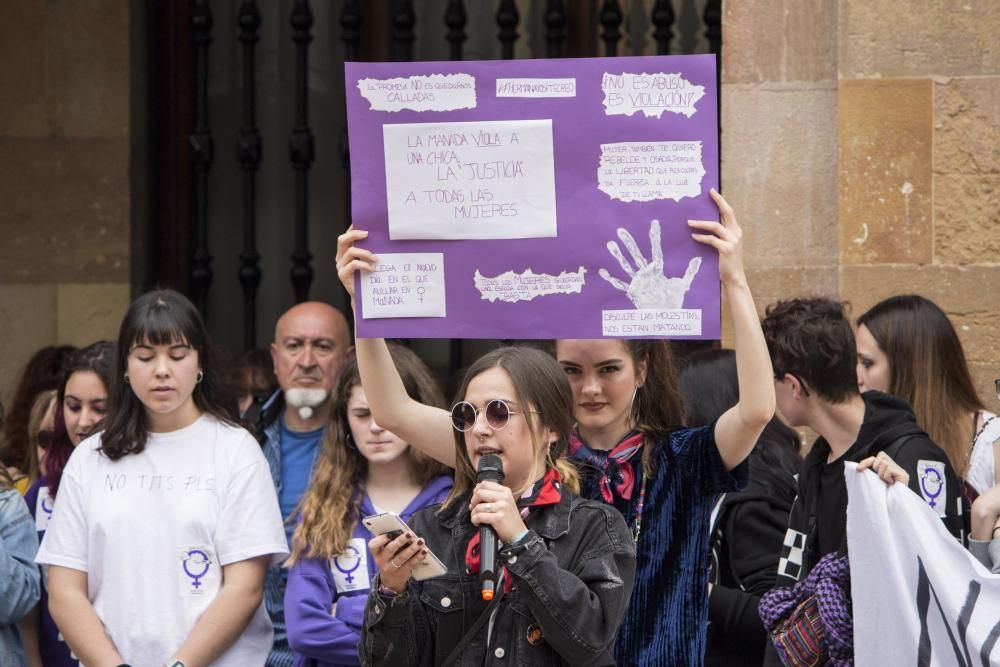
<point>167,519</point>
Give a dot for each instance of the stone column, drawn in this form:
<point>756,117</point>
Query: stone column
<point>64,176</point>
<point>861,149</point>
<point>779,142</point>
<point>919,200</point>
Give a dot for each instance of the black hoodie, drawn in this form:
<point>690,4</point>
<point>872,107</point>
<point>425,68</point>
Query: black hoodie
<point>817,524</point>
<point>746,545</point>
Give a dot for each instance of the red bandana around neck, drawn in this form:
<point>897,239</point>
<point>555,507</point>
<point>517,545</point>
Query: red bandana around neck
<point>547,492</point>
<point>616,474</point>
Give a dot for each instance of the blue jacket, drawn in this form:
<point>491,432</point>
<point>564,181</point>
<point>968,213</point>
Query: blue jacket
<point>19,578</point>
<point>317,637</point>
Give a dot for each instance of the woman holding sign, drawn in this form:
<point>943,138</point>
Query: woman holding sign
<point>563,565</point>
<point>167,519</point>
<point>362,470</point>
<point>631,447</point>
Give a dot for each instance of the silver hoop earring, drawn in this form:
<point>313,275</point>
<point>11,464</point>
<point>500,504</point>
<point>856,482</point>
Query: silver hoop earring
<point>200,377</point>
<point>635,407</point>
<point>126,378</point>
<point>350,442</point>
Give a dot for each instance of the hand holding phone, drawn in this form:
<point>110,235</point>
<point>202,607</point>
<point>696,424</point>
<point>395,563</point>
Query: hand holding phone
<point>400,551</point>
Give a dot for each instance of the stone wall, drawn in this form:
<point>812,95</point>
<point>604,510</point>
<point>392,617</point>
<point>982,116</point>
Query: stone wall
<point>861,147</point>
<point>64,176</point>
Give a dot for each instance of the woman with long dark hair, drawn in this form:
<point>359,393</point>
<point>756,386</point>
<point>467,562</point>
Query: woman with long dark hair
<point>167,519</point>
<point>81,404</point>
<point>361,470</point>
<point>631,446</point>
<point>44,371</point>
<point>748,526</point>
<point>908,347</point>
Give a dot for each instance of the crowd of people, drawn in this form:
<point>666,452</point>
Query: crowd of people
<point>160,506</point>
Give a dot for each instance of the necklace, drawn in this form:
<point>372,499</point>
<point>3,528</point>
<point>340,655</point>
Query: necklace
<point>637,527</point>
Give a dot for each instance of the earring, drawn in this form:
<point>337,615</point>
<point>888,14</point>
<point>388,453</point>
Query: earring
<point>200,377</point>
<point>635,407</point>
<point>126,377</point>
<point>350,442</point>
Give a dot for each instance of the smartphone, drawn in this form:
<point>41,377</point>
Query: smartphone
<point>389,523</point>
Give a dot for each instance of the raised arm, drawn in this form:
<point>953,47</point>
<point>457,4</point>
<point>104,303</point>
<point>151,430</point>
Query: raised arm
<point>425,427</point>
<point>739,427</point>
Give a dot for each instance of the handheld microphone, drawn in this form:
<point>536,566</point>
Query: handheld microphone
<point>490,470</point>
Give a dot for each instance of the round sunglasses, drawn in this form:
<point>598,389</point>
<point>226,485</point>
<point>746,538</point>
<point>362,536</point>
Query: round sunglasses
<point>464,415</point>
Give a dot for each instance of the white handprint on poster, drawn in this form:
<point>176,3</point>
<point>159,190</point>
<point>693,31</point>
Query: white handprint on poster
<point>658,299</point>
<point>515,175</point>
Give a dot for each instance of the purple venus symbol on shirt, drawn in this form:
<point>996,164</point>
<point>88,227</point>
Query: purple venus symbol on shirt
<point>196,557</point>
<point>351,554</point>
<point>46,507</point>
<point>937,483</point>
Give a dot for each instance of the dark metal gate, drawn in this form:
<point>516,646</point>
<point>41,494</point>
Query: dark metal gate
<point>248,182</point>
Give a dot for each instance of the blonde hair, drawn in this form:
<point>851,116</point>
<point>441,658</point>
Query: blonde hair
<point>540,383</point>
<point>331,506</point>
<point>41,406</point>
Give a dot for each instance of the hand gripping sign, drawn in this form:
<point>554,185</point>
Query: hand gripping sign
<point>490,191</point>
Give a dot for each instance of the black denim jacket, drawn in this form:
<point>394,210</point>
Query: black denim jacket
<point>572,577</point>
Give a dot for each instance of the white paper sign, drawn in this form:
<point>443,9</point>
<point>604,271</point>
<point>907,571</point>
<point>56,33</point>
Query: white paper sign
<point>652,94</point>
<point>437,92</point>
<point>198,571</point>
<point>649,322</point>
<point>918,596</point>
<point>512,287</point>
<point>404,285</point>
<point>350,569</point>
<point>43,508</point>
<point>476,180</point>
<point>536,87</point>
<point>649,170</point>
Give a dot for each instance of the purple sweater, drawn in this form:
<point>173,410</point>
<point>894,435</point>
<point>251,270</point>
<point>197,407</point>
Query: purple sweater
<point>317,637</point>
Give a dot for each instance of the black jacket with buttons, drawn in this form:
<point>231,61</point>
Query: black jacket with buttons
<point>572,577</point>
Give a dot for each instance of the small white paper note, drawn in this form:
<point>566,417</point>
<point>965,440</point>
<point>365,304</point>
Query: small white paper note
<point>649,170</point>
<point>404,285</point>
<point>652,322</point>
<point>512,287</point>
<point>470,180</point>
<point>436,92</point>
<point>652,94</point>
<point>536,87</point>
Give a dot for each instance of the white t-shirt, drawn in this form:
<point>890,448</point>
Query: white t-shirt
<point>981,461</point>
<point>153,529</point>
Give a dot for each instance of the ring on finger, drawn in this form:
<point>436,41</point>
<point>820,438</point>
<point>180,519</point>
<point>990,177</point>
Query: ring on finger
<point>488,508</point>
<point>393,563</point>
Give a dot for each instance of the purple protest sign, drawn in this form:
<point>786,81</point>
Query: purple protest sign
<point>535,198</point>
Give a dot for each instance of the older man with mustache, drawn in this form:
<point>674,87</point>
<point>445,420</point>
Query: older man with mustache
<point>311,345</point>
